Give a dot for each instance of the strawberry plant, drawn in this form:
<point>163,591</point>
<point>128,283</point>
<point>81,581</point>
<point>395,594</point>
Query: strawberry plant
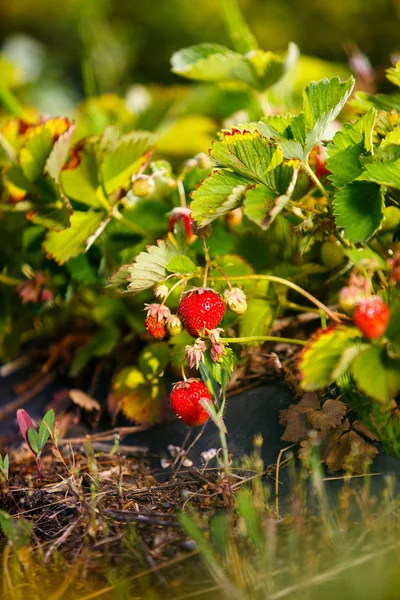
<point>291,211</point>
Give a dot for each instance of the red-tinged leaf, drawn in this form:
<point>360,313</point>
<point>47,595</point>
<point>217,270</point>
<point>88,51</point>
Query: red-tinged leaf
<point>25,424</point>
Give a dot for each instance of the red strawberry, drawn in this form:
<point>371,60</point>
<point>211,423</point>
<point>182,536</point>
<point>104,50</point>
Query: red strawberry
<point>155,327</point>
<point>183,213</point>
<point>185,401</point>
<point>201,309</point>
<point>372,317</point>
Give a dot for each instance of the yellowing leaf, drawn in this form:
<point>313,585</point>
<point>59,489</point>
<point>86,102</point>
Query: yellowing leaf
<point>139,398</point>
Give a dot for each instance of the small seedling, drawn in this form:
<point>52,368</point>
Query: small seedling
<point>4,468</point>
<point>36,440</point>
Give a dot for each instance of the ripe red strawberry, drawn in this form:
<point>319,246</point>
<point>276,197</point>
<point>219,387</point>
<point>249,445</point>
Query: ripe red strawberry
<point>372,317</point>
<point>155,327</point>
<point>185,398</point>
<point>183,213</point>
<point>201,309</point>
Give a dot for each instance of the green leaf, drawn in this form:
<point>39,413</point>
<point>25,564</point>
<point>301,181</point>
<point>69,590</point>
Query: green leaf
<point>367,257</point>
<point>345,165</point>
<point>248,153</point>
<point>139,398</point>
<point>209,380</point>
<point>101,344</point>
<point>16,530</point>
<point>322,102</point>
<point>58,154</point>
<point>376,374</point>
<point>386,173</point>
<point>180,264</point>
<point>153,359</point>
<point>393,330</point>
<point>360,132</point>
<point>125,159</point>
<point>393,74</point>
<point>358,208</point>
<point>259,205</point>
<point>118,282</point>
<point>63,245</point>
<point>218,194</point>
<point>150,267</point>
<point>222,370</point>
<point>34,441</point>
<point>46,426</point>
<point>323,354</point>
<point>36,151</point>
<point>258,318</point>
<point>212,62</point>
<point>82,182</point>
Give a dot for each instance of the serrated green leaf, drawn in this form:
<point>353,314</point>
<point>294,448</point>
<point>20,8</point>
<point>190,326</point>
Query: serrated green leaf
<point>118,282</point>
<point>376,374</point>
<point>257,206</point>
<point>212,62</point>
<point>180,264</point>
<point>322,355</point>
<point>150,267</point>
<point>58,154</point>
<point>258,318</point>
<point>218,194</point>
<point>367,257</point>
<point>360,132</point>
<point>36,151</point>
<point>248,153</point>
<point>345,166</point>
<point>322,102</point>
<point>384,173</point>
<point>358,208</point>
<point>125,159</point>
<point>82,183</point>
<point>393,74</point>
<point>222,370</point>
<point>63,245</point>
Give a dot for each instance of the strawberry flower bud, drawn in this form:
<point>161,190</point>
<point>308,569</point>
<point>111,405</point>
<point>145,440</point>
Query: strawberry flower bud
<point>195,353</point>
<point>214,335</point>
<point>236,301</point>
<point>174,325</point>
<point>160,311</point>
<point>217,351</point>
<point>161,291</point>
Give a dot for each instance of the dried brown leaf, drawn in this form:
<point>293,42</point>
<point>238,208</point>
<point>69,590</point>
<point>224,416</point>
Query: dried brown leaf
<point>361,427</point>
<point>295,418</point>
<point>84,401</point>
<point>350,453</point>
<point>330,415</point>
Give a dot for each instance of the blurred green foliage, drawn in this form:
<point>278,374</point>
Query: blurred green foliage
<point>121,43</point>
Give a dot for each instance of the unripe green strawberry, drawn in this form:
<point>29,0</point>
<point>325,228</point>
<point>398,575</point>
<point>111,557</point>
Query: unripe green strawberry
<point>236,301</point>
<point>332,255</point>
<point>143,185</point>
<point>174,325</point>
<point>391,218</point>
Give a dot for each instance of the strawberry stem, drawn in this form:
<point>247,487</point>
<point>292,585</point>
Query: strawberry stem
<point>313,176</point>
<point>263,338</point>
<point>181,191</point>
<point>291,285</point>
